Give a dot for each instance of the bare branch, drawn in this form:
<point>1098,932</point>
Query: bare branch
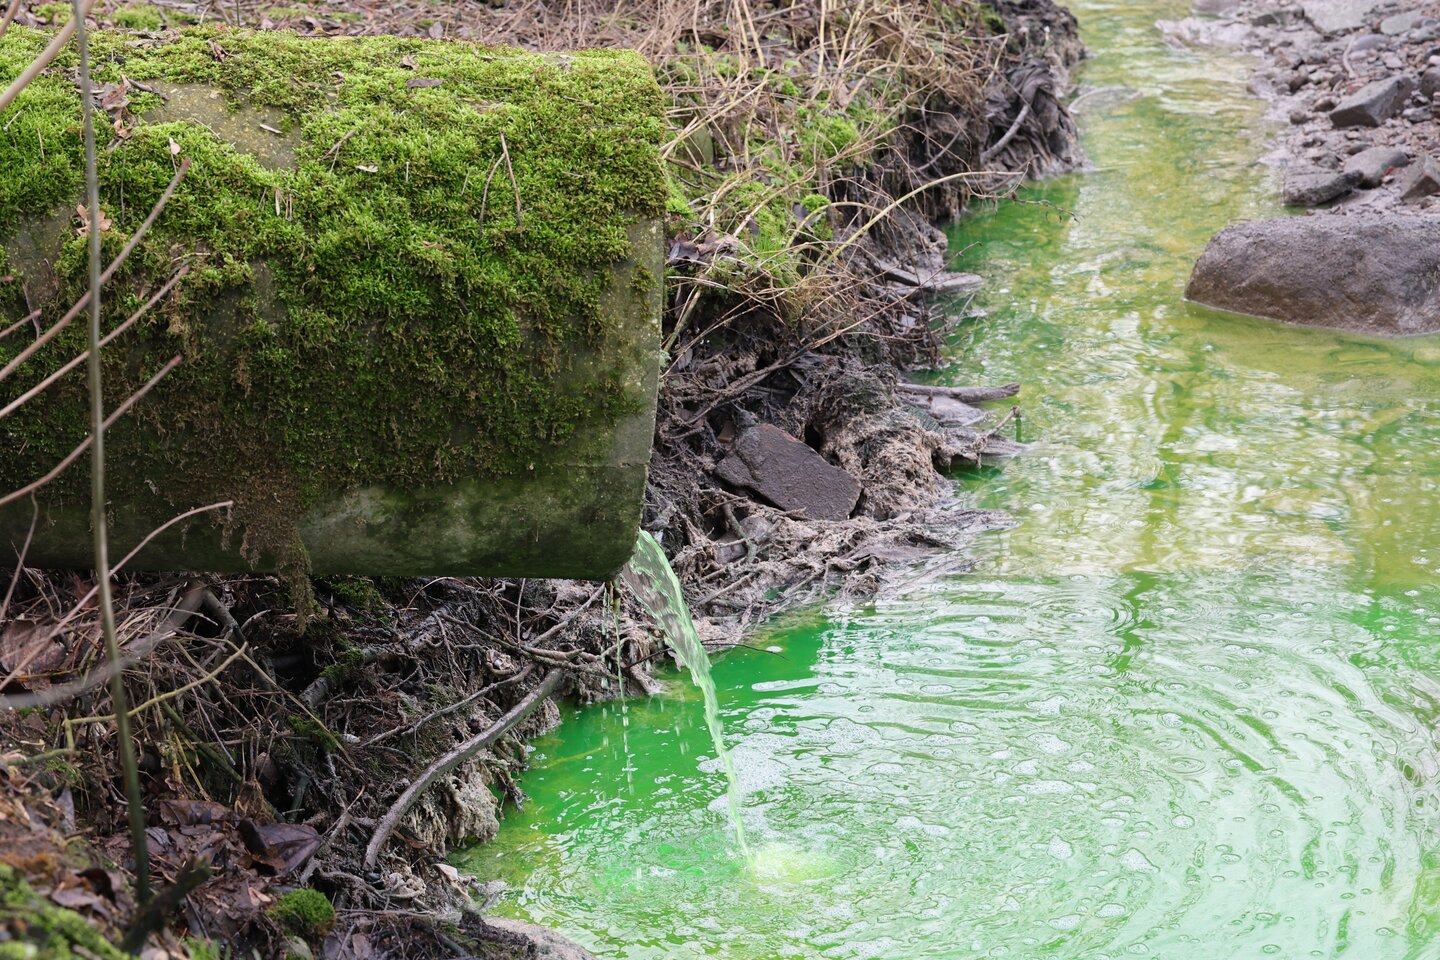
<point>548,685</point>
<point>22,322</point>
<point>10,12</point>
<point>134,799</point>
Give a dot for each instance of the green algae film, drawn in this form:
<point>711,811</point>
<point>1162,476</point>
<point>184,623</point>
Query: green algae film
<point>1184,709</point>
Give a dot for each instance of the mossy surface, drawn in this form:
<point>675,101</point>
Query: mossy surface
<point>402,307</point>
<point>305,913</point>
<point>43,931</point>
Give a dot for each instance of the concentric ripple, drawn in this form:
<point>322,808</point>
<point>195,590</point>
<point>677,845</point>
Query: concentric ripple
<point>1186,710</point>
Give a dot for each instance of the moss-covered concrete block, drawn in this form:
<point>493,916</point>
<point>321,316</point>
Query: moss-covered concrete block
<point>420,327</point>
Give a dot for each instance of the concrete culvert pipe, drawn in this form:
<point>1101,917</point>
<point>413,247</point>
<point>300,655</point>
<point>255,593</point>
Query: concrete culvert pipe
<point>419,318</point>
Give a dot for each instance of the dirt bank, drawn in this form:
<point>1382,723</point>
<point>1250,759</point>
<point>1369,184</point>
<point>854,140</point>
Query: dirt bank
<point>791,462</point>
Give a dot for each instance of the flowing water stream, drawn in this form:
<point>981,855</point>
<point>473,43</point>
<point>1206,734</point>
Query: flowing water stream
<point>1185,709</point>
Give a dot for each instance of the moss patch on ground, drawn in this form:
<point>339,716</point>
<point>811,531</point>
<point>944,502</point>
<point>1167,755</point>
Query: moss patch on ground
<point>304,913</point>
<point>42,930</point>
<point>398,308</point>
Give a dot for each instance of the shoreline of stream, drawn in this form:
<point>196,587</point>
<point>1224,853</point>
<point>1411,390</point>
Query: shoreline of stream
<point>1352,90</point>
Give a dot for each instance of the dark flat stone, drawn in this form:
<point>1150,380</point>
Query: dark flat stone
<point>789,474</point>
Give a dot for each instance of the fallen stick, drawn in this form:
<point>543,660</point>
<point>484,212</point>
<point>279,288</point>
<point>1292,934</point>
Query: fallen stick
<point>963,394</point>
<point>548,685</point>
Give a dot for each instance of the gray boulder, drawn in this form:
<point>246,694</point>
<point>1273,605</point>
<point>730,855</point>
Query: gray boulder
<point>1373,103</point>
<point>789,474</point>
<point>1337,16</point>
<point>1377,273</point>
<point>1400,23</point>
<point>1312,187</point>
<point>1368,167</point>
<point>1421,182</point>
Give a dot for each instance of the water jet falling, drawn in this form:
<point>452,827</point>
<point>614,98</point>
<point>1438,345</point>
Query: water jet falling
<point>649,575</point>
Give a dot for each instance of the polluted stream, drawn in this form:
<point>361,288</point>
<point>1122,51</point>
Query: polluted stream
<point>1185,707</point>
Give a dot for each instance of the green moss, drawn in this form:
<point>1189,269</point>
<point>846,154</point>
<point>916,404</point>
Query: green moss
<point>347,665</point>
<point>359,593</point>
<point>203,949</point>
<point>56,13</point>
<point>314,731</point>
<point>138,16</point>
<point>43,930</point>
<point>991,21</point>
<point>304,913</point>
<point>676,203</point>
<point>419,329</point>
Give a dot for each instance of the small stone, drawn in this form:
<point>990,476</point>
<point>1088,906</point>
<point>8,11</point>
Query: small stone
<point>1368,167</point>
<point>1417,114</point>
<point>1312,187</point>
<point>1299,115</point>
<point>1325,104</point>
<point>1420,182</point>
<point>1370,41</point>
<point>1430,83</point>
<point>1373,103</point>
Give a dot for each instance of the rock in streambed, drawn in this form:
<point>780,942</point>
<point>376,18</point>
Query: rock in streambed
<point>1377,273</point>
<point>1311,187</point>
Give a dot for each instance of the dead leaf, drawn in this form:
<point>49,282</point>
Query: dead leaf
<point>423,82</point>
<point>408,62</point>
<point>77,898</point>
<point>218,52</point>
<point>366,169</point>
<point>84,214</point>
<point>174,147</point>
<point>284,847</point>
<point>190,813</point>
<point>437,30</point>
<point>113,97</point>
<point>28,647</point>
<point>107,883</point>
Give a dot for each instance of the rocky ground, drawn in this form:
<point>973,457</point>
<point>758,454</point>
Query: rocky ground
<point>1355,82</point>
<point>1354,86</point>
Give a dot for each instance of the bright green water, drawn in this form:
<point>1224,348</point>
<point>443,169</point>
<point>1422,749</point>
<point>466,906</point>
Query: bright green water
<point>1185,709</point>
